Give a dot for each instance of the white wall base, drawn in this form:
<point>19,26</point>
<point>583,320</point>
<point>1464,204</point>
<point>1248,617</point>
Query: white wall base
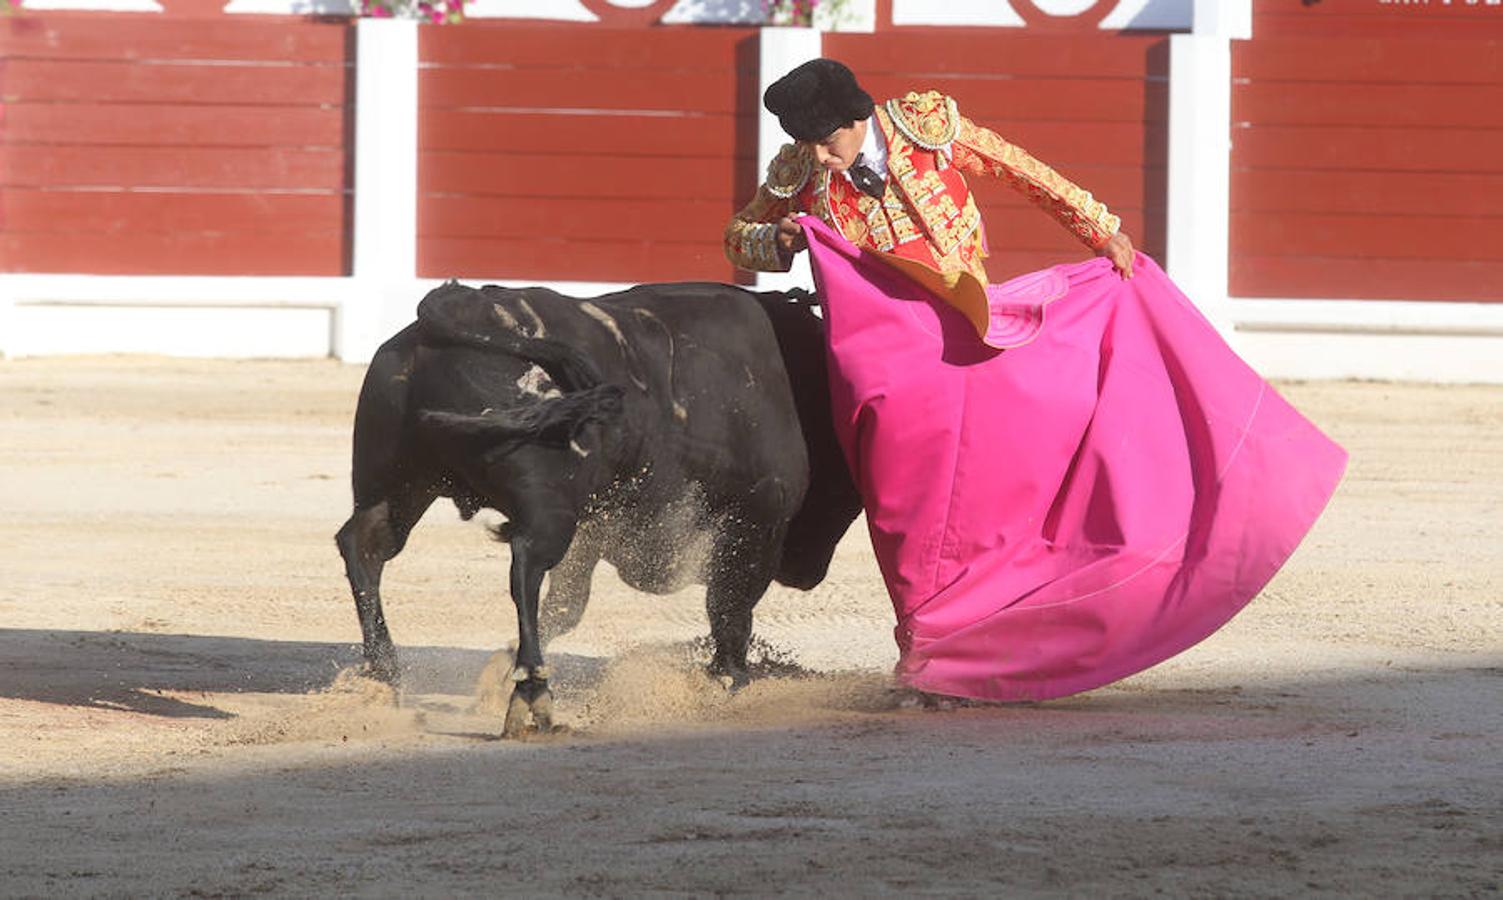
<point>1379,340</point>
<point>48,329</point>
<point>1446,359</point>
<point>179,315</point>
<point>347,318</point>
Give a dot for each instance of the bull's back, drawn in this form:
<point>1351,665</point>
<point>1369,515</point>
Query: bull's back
<point>706,397</point>
<point>717,369</point>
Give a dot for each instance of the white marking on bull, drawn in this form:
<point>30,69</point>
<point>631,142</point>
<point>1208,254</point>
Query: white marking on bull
<point>537,383</point>
<point>679,412</point>
<point>574,445</point>
<point>507,319</point>
<point>537,331</point>
<point>604,318</point>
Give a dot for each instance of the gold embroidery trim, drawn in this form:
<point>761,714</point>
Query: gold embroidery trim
<point>929,120</point>
<point>1072,205</point>
<point>751,237</point>
<point>789,171</point>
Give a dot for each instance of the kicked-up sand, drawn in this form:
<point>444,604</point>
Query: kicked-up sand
<point>179,714</point>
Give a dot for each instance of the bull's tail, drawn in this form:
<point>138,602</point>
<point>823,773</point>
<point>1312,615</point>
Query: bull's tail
<point>551,420</point>
<point>455,314</point>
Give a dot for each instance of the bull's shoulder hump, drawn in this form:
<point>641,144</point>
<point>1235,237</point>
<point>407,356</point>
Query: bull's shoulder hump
<point>680,289</point>
<point>450,306</point>
<point>681,299</point>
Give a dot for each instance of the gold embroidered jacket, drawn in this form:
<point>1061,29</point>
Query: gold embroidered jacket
<point>927,214</point>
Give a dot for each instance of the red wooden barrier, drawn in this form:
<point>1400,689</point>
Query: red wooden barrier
<point>1367,151</point>
<point>1406,19</point>
<point>1093,106</point>
<point>550,153</point>
<point>144,145</point>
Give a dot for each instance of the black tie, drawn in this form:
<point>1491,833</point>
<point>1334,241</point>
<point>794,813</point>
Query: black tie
<point>867,181</point>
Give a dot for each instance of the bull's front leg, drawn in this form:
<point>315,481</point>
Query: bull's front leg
<point>533,552</point>
<point>744,560</point>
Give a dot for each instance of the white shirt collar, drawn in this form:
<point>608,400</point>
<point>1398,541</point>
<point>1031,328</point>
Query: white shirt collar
<point>873,150</point>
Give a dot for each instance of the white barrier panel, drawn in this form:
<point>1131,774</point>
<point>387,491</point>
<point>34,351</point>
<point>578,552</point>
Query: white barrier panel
<point>51,328</point>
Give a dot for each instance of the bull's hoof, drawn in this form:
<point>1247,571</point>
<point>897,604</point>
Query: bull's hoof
<point>382,668</point>
<point>542,712</point>
<point>530,710</point>
<point>518,717</point>
<point>913,698</point>
<point>733,679</point>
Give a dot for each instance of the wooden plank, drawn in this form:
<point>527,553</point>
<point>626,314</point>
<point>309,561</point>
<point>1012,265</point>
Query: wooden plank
<point>173,167</point>
<point>1403,105</point>
<point>1366,18</point>
<point>152,125</point>
<point>719,92</point>
<point>591,219</point>
<point>1120,187</point>
<point>513,44</point>
<point>547,177</point>
<point>983,99</point>
<point>1349,60</point>
<point>78,81</point>
<point>1030,229</point>
<point>553,259</point>
<point>173,253</point>
<point>1382,10</point>
<point>1345,148</point>
<point>1067,146</point>
<point>654,136</point>
<point>1472,238</point>
<point>41,35</point>
<point>1024,233</point>
<point>24,210</point>
<point>947,51</point>
<point>1071,146</point>
<point>1358,26</point>
<point>1010,229</point>
<point>1006,264</point>
<point>1381,193</point>
<point>1363,279</point>
<point>573,175</point>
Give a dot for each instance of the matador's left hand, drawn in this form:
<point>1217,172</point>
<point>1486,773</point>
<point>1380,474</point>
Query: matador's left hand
<point>1120,251</point>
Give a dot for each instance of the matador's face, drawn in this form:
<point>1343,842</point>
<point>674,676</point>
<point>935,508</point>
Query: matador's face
<point>840,148</point>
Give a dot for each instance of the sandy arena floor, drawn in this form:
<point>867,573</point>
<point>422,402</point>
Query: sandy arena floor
<point>174,619</point>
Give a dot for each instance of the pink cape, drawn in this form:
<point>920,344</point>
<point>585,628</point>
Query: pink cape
<point>1056,516</point>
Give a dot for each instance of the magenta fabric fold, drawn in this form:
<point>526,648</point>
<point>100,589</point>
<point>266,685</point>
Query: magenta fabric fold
<point>1055,516</point>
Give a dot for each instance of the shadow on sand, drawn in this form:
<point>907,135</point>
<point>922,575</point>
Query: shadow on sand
<point>137,672</point>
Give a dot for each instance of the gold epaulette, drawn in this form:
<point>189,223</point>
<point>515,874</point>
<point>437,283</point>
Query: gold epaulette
<point>789,171</point>
<point>930,120</point>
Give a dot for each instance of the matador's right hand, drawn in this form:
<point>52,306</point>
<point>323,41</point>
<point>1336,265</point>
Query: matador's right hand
<point>791,237</point>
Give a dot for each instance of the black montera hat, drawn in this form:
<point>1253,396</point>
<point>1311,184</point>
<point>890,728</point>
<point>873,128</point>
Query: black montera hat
<point>816,98</point>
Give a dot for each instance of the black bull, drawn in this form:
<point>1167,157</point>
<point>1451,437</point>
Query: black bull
<point>616,428</point>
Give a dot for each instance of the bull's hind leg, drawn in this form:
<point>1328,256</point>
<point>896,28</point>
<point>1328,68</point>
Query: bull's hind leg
<point>536,547</point>
<point>372,536</point>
